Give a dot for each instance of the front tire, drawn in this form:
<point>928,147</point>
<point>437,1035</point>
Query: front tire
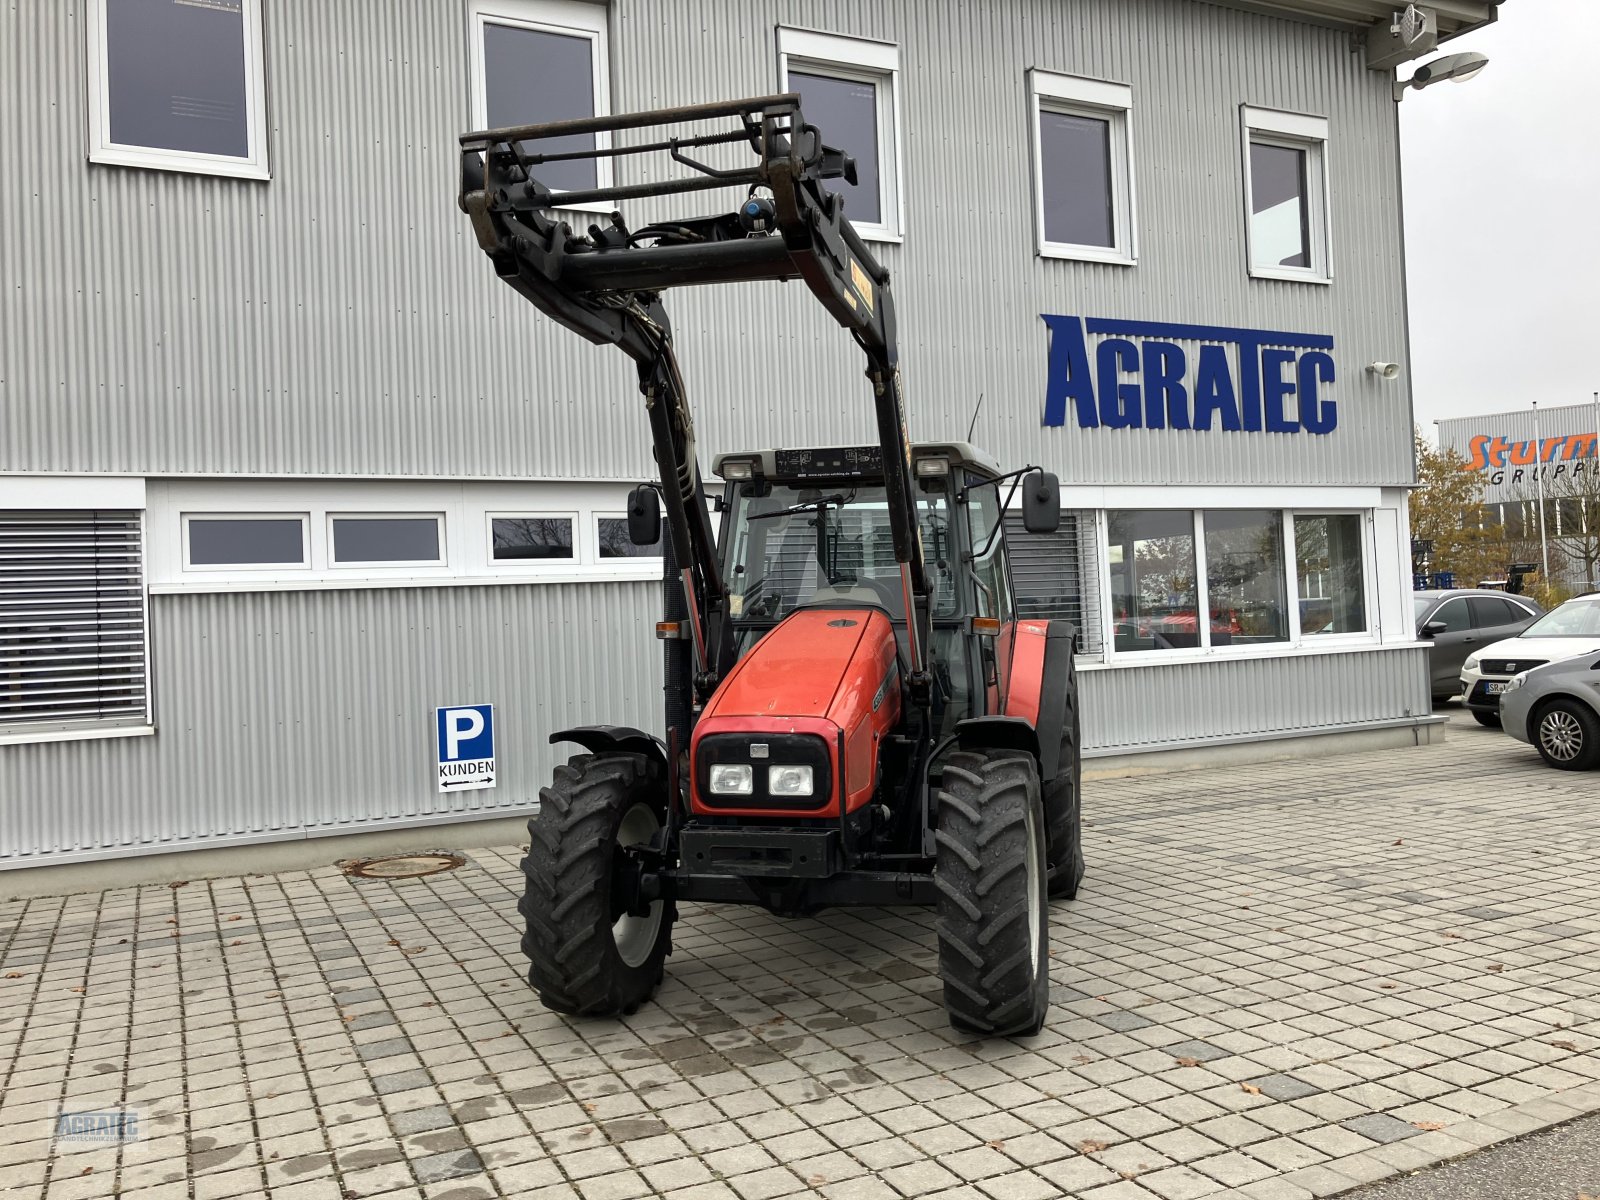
<point>587,955</point>
<point>1489,720</point>
<point>1567,735</point>
<point>990,873</point>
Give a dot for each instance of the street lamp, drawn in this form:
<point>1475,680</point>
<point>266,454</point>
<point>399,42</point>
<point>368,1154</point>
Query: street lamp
<point>1459,67</point>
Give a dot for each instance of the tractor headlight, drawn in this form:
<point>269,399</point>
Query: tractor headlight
<point>732,779</point>
<point>788,781</point>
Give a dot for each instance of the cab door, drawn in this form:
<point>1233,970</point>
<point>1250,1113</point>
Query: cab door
<point>990,584</point>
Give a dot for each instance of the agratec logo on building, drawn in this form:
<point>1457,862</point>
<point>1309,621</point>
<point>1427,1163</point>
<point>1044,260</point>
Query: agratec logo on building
<point>1236,380</point>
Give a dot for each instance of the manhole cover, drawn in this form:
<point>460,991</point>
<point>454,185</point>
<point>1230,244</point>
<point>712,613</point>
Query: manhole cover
<point>403,866</point>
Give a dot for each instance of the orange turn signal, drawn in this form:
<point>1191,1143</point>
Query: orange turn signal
<point>667,630</point>
<point>986,626</point>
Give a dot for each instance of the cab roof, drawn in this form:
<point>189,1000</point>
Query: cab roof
<point>960,454</point>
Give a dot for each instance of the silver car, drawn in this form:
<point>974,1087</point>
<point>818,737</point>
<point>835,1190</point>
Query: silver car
<point>1556,708</point>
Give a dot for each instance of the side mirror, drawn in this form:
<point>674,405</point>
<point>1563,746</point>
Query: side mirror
<point>1433,628</point>
<point>644,516</point>
<point>1041,502</point>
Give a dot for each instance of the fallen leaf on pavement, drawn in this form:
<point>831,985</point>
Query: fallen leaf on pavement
<point>996,1143</point>
<point>1251,1088</point>
<point>236,918</point>
<point>13,974</point>
<point>1188,1062</point>
<point>175,885</point>
<point>1448,934</point>
<point>816,1180</point>
<point>1399,841</point>
<point>1091,1147</point>
<point>1572,1046</point>
<point>1388,987</point>
<point>1430,1126</point>
<point>1497,967</point>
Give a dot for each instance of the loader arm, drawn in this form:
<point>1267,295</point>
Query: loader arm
<point>606,285</point>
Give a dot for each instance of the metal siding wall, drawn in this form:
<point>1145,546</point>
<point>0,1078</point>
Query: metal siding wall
<point>284,711</point>
<point>1143,708</point>
<point>340,319</point>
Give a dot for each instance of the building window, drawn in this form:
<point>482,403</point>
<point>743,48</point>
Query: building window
<point>1286,195</point>
<point>178,85</point>
<point>1332,579</point>
<point>536,61</point>
<point>1154,587</point>
<point>1083,167</point>
<point>392,540</point>
<point>1240,578</point>
<point>612,539</point>
<point>245,540</point>
<point>72,620</point>
<point>519,538</point>
<point>848,90</point>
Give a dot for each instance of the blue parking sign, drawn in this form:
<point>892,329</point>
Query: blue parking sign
<point>466,747</point>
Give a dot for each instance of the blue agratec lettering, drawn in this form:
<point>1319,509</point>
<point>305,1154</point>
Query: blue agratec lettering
<point>1139,375</point>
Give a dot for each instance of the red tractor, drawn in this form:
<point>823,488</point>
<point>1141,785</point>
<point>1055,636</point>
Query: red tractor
<point>855,714</point>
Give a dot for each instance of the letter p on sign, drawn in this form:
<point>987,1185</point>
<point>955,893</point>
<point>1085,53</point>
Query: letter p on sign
<point>465,747</point>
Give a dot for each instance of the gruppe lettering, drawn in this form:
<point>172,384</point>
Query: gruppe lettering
<point>1141,378</point>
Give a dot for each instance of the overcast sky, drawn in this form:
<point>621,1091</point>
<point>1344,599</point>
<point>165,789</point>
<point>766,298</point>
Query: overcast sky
<point>1502,197</point>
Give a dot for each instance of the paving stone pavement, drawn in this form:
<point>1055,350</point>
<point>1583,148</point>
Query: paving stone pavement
<point>1280,981</point>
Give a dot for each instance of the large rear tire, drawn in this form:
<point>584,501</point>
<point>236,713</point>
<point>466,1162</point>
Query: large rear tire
<point>1063,804</point>
<point>587,955</point>
<point>994,916</point>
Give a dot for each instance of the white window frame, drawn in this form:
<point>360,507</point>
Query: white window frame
<point>864,61</point>
<point>1298,642</point>
<point>1102,101</point>
<point>649,564</point>
<point>1296,131</point>
<point>31,492</point>
<point>213,568</point>
<point>570,515</point>
<point>103,150</point>
<point>566,18</point>
<point>335,563</point>
<point>1369,592</point>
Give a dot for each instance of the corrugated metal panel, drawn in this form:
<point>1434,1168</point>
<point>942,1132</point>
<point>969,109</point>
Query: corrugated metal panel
<point>290,711</point>
<point>340,320</point>
<point>1181,704</point>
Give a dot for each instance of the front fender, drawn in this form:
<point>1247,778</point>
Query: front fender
<point>614,739</point>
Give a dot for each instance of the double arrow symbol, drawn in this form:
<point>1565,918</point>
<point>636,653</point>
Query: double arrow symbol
<point>458,782</point>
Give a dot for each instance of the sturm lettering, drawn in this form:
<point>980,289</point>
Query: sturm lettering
<point>1140,378</point>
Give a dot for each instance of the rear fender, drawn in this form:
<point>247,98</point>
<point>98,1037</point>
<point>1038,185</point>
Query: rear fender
<point>614,739</point>
<point>1041,678</point>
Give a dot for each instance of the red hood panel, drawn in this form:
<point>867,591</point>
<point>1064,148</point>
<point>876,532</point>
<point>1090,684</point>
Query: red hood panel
<point>795,670</point>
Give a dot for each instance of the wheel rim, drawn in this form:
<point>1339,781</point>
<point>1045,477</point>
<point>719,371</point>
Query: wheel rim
<point>1035,878</point>
<point>1560,735</point>
<point>635,937</point>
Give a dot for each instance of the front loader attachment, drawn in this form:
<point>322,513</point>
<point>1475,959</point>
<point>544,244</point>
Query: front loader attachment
<point>606,282</point>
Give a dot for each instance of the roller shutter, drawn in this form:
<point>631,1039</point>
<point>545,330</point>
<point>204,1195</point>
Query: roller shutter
<point>72,619</point>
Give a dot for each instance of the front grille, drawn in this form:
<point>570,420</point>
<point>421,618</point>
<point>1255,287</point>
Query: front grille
<point>801,749</point>
<point>1508,667</point>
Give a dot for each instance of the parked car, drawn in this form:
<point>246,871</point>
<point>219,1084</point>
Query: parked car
<point>1459,621</point>
<point>1571,629</point>
<point>1556,708</point>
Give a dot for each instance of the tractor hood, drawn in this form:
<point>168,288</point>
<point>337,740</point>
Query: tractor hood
<point>799,669</point>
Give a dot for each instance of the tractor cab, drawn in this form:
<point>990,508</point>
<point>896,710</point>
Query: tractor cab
<point>810,529</point>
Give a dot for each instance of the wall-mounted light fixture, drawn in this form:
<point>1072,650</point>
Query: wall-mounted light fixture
<point>1459,67</point>
<point>1384,370</point>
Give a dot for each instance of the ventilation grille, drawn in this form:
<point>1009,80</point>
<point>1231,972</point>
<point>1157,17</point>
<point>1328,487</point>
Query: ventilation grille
<point>72,619</point>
